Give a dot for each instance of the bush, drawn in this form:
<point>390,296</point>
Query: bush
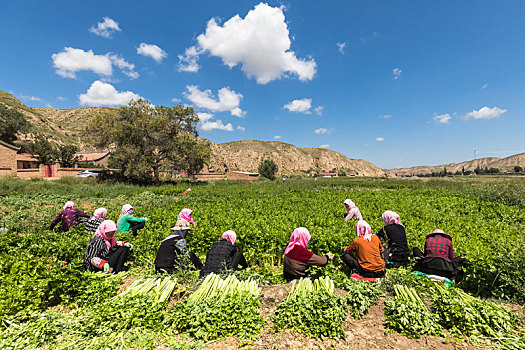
<point>268,169</point>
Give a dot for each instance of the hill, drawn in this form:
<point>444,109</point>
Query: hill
<point>67,126</point>
<point>489,162</point>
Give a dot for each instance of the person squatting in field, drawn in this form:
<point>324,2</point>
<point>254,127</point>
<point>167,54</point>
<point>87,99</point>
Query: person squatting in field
<point>438,258</point>
<point>98,217</point>
<point>297,259</point>
<point>103,251</point>
<point>173,249</point>
<point>223,255</point>
<point>393,232</point>
<point>367,248</point>
<point>352,211</point>
<point>127,222</point>
<point>69,217</point>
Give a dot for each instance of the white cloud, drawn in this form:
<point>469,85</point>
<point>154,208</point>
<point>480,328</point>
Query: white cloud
<point>324,146</point>
<point>379,139</point>
<point>188,61</point>
<point>218,125</point>
<point>71,60</point>
<point>397,73</point>
<point>442,118</point>
<point>126,67</point>
<point>299,106</point>
<point>341,47</point>
<point>241,128</point>
<point>259,43</point>
<point>204,117</point>
<point>323,131</point>
<point>152,51</point>
<point>228,100</point>
<point>31,98</point>
<point>486,113</point>
<point>60,98</point>
<point>484,86</point>
<point>319,110</point>
<point>48,105</point>
<point>385,116</point>
<point>105,28</point>
<point>277,137</point>
<point>104,94</point>
<point>176,100</point>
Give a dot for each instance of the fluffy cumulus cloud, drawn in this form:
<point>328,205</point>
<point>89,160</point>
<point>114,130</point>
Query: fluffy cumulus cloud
<point>104,94</point>
<point>260,43</point>
<point>207,124</point>
<point>396,72</point>
<point>324,146</point>
<point>323,131</point>
<point>152,51</point>
<point>106,28</point>
<point>277,137</point>
<point>486,113</point>
<point>240,128</point>
<point>380,139</point>
<point>319,110</point>
<point>442,118</point>
<point>31,98</point>
<point>70,61</point>
<point>189,61</point>
<point>299,106</point>
<point>227,100</point>
<point>341,47</point>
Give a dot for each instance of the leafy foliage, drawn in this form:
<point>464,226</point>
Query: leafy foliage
<point>268,169</point>
<point>66,155</point>
<point>312,309</point>
<point>361,294</point>
<point>12,122</point>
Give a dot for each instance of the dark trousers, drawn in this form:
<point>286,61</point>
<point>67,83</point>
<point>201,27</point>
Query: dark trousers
<point>117,258</point>
<point>169,270</point>
<point>289,277</point>
<point>393,259</point>
<point>437,266</point>
<point>237,259</point>
<point>137,226</point>
<point>353,264</point>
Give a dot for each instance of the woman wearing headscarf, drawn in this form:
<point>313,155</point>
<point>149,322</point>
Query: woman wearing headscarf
<point>69,217</point>
<point>352,211</point>
<point>394,233</point>
<point>103,251</point>
<point>98,216</point>
<point>297,259</point>
<point>127,222</point>
<point>223,255</point>
<point>174,248</point>
<point>439,258</point>
<point>367,249</point>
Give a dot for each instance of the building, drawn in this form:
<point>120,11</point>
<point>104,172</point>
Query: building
<point>93,158</point>
<point>26,161</point>
<point>242,176</point>
<point>8,164</point>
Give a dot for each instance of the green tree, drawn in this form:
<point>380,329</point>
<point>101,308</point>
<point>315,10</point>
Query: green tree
<point>518,169</point>
<point>190,154</point>
<point>12,122</point>
<point>145,138</point>
<point>268,169</point>
<point>66,155</point>
<point>43,150</point>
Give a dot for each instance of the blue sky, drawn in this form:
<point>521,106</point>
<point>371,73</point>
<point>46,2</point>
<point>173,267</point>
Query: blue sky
<point>398,83</point>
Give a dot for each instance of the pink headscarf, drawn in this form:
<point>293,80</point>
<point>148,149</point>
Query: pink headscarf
<point>438,231</point>
<point>230,236</point>
<point>350,204</point>
<point>106,226</point>
<point>125,209</point>
<point>300,237</point>
<point>364,230</point>
<point>185,214</point>
<point>100,213</point>
<point>391,217</point>
<point>69,205</point>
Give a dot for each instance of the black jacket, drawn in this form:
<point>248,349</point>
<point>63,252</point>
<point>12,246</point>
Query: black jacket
<point>169,253</point>
<point>397,243</point>
<point>219,258</point>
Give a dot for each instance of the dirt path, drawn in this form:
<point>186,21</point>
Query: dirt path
<point>366,333</point>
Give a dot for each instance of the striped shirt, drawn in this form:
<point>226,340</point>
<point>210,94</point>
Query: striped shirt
<point>92,225</point>
<point>96,252</point>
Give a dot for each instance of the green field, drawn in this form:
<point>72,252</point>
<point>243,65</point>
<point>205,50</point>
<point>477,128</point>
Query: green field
<point>41,269</point>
